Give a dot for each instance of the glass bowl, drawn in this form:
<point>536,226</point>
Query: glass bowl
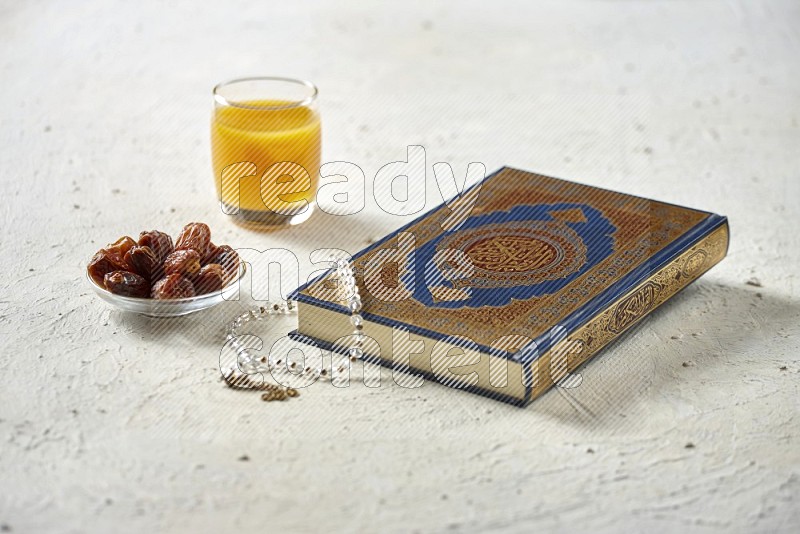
<point>172,307</point>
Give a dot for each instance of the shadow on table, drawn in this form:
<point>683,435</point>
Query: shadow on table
<point>711,325</point>
<point>202,329</point>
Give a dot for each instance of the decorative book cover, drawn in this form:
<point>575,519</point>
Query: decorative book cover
<point>508,288</point>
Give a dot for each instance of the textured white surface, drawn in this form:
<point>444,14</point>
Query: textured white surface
<point>117,423</point>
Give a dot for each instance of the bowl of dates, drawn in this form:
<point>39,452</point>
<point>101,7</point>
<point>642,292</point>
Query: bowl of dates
<point>161,278</point>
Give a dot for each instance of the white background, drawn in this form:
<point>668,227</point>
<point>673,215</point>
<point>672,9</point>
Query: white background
<point>113,423</point>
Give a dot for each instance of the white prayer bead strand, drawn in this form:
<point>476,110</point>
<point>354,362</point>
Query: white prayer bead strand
<point>246,361</point>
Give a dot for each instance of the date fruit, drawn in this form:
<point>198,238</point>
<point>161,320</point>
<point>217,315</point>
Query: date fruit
<point>173,286</point>
<point>229,260</point>
<point>210,278</point>
<point>104,262</point>
<point>159,242</point>
<point>186,262</point>
<point>142,260</point>
<point>126,284</point>
<point>195,236</point>
<point>155,267</point>
<point>211,252</point>
<point>121,246</point>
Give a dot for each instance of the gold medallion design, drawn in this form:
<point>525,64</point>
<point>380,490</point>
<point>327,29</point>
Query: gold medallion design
<point>511,253</point>
<point>519,253</point>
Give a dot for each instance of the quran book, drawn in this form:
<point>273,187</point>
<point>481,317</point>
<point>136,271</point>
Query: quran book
<point>508,288</point>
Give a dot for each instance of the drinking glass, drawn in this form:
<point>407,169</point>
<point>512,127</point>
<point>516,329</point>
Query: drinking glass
<point>266,150</point>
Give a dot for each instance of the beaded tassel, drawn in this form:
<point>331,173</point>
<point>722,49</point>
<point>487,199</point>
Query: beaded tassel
<point>249,364</point>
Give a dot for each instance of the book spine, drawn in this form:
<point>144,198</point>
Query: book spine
<point>609,324</point>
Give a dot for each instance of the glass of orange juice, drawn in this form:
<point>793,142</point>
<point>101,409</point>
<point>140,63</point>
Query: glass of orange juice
<point>266,147</point>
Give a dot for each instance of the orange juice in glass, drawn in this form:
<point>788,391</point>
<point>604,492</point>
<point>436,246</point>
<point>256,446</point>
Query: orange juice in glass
<point>266,149</point>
